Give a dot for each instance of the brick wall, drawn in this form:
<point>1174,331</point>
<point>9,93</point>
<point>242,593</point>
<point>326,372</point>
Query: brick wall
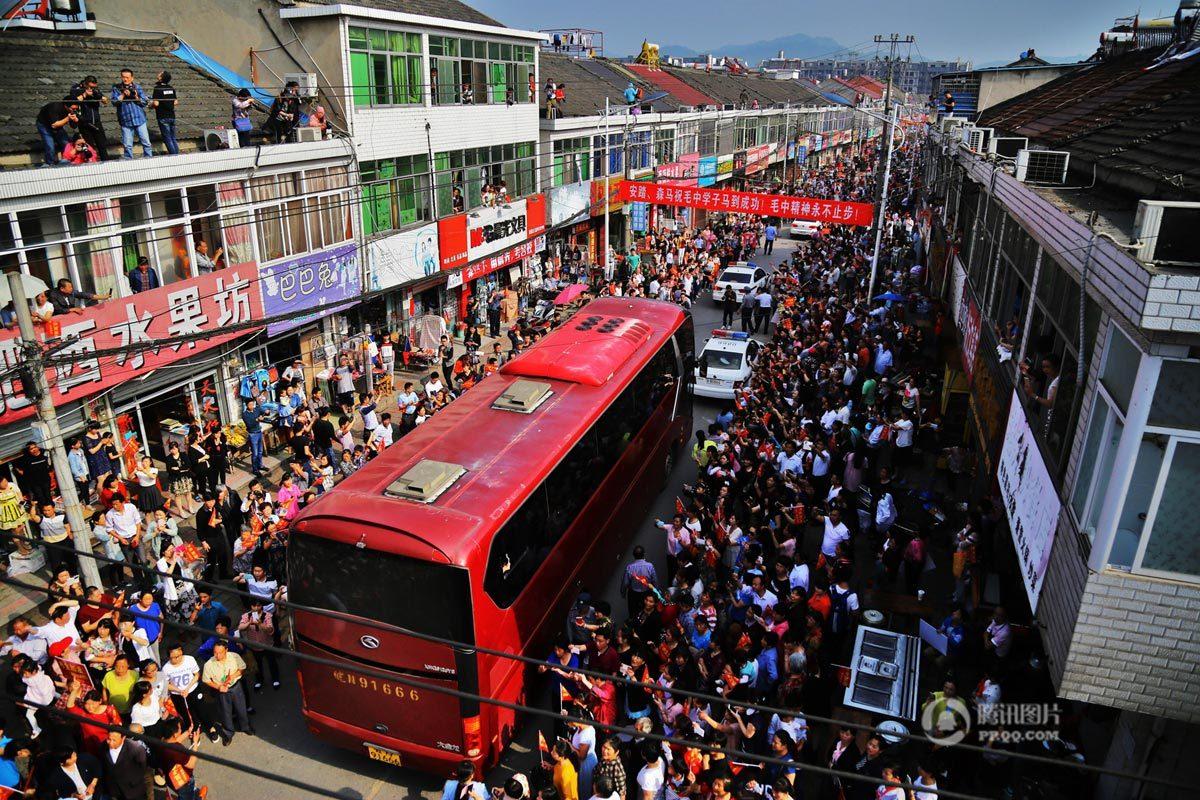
<point>1136,646</point>
<point>1173,304</point>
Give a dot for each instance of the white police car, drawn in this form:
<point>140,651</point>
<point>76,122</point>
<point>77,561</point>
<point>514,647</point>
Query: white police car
<point>726,358</point>
<point>741,277</point>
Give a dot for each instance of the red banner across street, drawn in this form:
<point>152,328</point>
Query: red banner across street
<point>836,212</point>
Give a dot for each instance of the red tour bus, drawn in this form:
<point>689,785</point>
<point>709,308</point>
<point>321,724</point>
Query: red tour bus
<point>480,527</point>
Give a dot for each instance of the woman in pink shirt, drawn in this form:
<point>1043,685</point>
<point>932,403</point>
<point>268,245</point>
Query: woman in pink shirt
<point>288,496</point>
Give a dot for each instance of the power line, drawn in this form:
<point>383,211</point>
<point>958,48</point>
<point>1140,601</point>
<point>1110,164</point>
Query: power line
<point>413,683</point>
<point>629,682</point>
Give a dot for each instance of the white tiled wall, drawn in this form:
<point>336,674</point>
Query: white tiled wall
<point>391,132</point>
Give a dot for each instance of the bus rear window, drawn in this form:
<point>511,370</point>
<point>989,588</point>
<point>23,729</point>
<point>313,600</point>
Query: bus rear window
<point>427,598</point>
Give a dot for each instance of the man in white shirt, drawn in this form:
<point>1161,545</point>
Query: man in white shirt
<point>26,640</point>
<point>124,522</point>
<point>182,675</point>
<point>433,385</point>
<point>885,512</point>
<point>835,532</point>
<point>381,437</point>
<point>795,725</point>
<point>790,460</point>
<point>903,442</point>
<point>62,623</point>
<point>998,636</point>
<point>798,578</point>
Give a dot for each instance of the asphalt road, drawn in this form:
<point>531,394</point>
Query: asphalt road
<point>283,744</point>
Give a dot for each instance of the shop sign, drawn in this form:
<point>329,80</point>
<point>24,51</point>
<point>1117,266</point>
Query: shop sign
<point>568,202</point>
<point>614,202</point>
<point>724,167</point>
<point>639,217</point>
<point>757,159</point>
<point>739,163</point>
<point>581,228</point>
<point>707,174</point>
<point>404,257</point>
<point>683,172</point>
<point>454,279</point>
<point>310,287</point>
<point>464,238</point>
<point>818,142</point>
<point>1030,500</point>
<point>203,304</point>
<point>777,205</point>
<point>489,265</point>
<point>801,153</point>
<point>968,321</point>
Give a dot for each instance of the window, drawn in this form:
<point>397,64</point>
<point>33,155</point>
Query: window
<point>97,261</point>
<point>44,227</point>
<point>1054,335</point>
<point>664,146</point>
<point>235,225</point>
<point>1178,386</point>
<point>395,193</point>
<point>528,538</point>
<point>687,138</point>
<point>572,161</point>
<point>1172,546</point>
<point>470,170</point>
<point>495,72</point>
<point>385,67</point>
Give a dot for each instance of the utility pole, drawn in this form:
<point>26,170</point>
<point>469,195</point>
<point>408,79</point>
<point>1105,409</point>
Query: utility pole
<point>893,41</point>
<point>35,384</point>
<point>887,172</point>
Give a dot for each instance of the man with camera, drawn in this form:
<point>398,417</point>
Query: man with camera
<point>130,101</point>
<point>284,115</point>
<point>52,122</point>
<point>90,98</point>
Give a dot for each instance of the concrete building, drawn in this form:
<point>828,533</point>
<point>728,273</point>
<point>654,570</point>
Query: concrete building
<point>975,91</point>
<point>1083,277</point>
<point>914,76</point>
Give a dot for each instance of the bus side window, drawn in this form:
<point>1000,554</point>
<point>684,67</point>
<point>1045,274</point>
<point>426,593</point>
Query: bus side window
<point>518,549</point>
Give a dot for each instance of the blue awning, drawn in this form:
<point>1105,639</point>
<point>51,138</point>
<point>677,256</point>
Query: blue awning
<point>185,52</point>
<point>836,98</point>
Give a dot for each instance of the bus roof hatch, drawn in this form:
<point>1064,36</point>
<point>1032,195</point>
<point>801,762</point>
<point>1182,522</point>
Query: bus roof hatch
<point>425,481</point>
<point>523,396</point>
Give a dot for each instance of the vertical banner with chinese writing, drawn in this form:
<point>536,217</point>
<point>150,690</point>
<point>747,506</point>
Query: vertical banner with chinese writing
<point>319,284</point>
<point>205,304</point>
<point>776,205</point>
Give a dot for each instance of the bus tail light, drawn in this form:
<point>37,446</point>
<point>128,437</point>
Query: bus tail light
<point>472,738</point>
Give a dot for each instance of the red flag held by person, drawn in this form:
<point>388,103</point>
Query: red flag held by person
<point>679,507</point>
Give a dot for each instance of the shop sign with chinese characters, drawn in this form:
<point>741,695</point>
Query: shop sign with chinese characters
<point>775,205</point>
<point>205,304</point>
<point>318,284</point>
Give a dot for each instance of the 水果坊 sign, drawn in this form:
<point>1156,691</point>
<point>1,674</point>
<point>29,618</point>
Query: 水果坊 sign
<point>776,205</point>
<point>204,304</point>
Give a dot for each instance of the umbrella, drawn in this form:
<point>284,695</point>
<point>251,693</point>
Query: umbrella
<point>891,297</point>
<point>33,287</point>
<point>569,294</point>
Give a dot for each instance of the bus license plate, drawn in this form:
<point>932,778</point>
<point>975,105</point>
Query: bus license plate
<point>383,754</point>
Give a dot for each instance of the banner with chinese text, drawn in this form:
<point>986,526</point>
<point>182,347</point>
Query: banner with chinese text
<point>206,303</point>
<point>311,286</point>
<point>775,205</point>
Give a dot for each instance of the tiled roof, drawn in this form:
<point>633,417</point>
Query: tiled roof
<point>1142,125</point>
<point>726,88</point>
<point>589,82</point>
<point>42,67</point>
<point>662,79</point>
<point>445,9</point>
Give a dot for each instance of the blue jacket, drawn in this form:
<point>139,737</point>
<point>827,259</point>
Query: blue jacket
<point>129,113</point>
<point>140,283</point>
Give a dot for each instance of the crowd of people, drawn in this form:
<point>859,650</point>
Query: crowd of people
<point>795,511</point>
<point>794,514</point>
<point>72,129</point>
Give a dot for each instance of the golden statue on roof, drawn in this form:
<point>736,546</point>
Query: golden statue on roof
<point>649,55</point>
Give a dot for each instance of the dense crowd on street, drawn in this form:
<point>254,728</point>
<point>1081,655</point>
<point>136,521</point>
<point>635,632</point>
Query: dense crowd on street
<point>800,505</point>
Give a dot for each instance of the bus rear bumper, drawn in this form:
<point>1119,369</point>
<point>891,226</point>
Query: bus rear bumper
<point>420,757</point>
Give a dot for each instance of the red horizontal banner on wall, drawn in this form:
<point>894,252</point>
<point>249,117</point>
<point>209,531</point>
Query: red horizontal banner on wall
<point>837,212</point>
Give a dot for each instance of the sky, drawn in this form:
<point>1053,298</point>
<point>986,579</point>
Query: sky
<point>973,29</point>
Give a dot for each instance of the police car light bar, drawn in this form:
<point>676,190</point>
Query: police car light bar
<point>740,336</point>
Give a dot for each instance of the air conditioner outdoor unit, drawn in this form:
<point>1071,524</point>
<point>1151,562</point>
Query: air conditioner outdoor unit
<point>307,81</point>
<point>729,107</point>
<point>1042,166</point>
<point>220,139</point>
<point>1166,232</point>
<point>308,134</point>
<point>686,109</point>
<point>1007,146</point>
<point>976,139</point>
<point>950,122</point>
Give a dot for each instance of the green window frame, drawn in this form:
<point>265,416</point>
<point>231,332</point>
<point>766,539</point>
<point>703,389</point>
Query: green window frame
<point>385,67</point>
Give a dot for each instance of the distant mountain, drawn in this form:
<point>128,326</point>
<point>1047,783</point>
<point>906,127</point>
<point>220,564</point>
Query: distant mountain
<point>797,45</point>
